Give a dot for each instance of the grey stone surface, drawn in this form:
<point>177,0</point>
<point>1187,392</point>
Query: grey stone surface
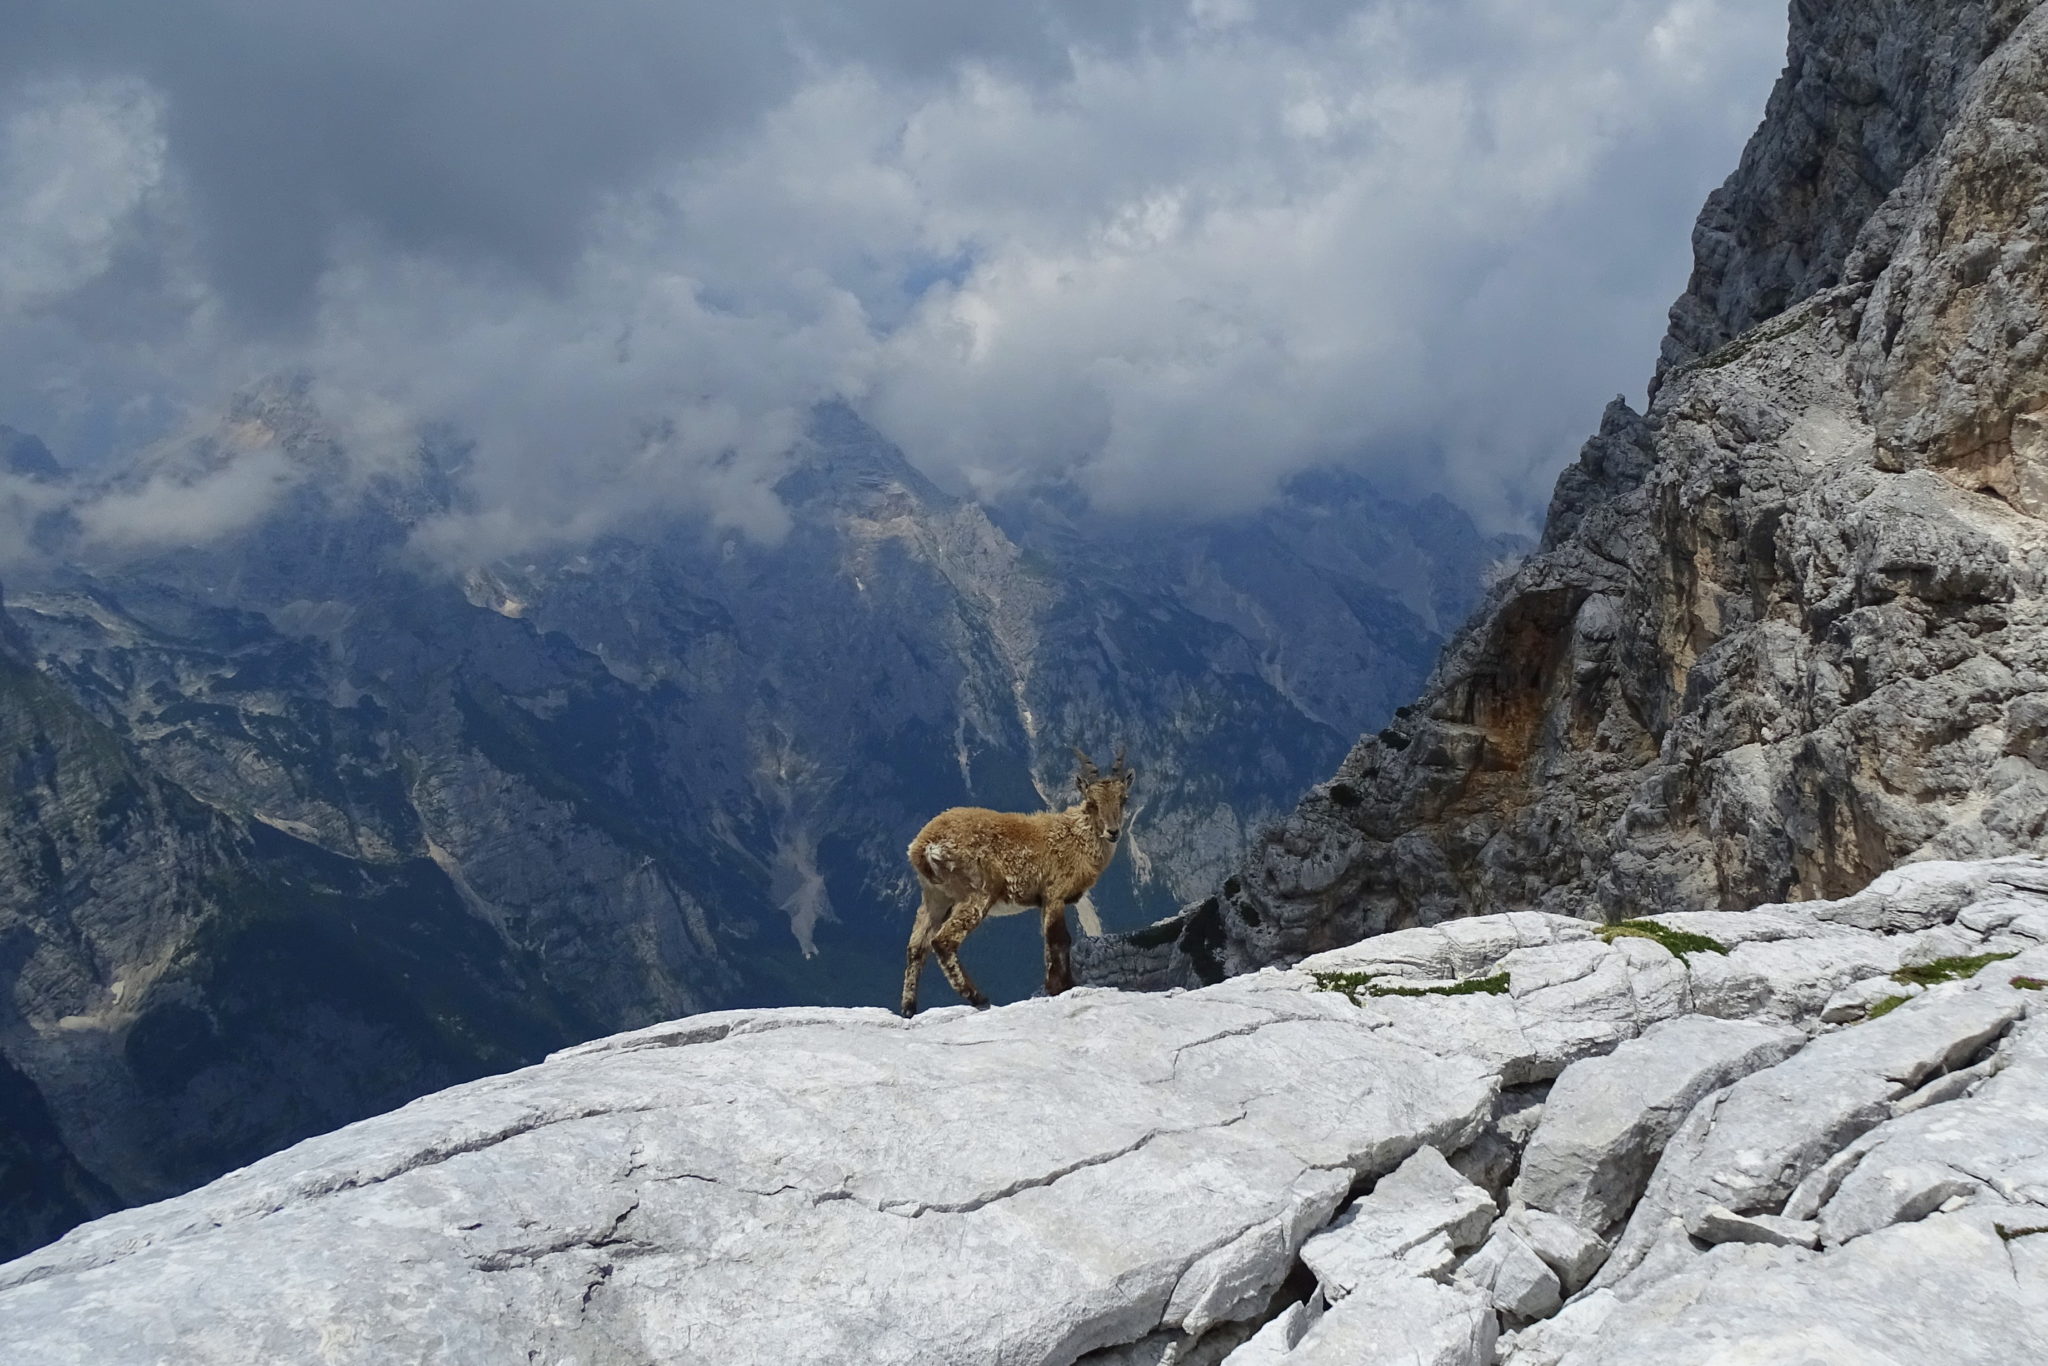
<point>1513,1278</point>
<point>1545,1343</point>
<point>1855,1001</point>
<point>1570,1251</point>
<point>1607,1119</point>
<point>1748,1147</point>
<point>1949,1289</point>
<point>1421,1200</point>
<point>631,1202</point>
<point>1128,1180</point>
<point>1401,1318</point>
<point>1271,1344</point>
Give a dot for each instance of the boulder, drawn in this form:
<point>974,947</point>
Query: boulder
<point>1420,1201</point>
<point>1607,1119</point>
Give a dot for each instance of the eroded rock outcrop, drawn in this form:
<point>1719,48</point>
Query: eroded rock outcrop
<point>1298,1166</point>
<point>1789,628</point>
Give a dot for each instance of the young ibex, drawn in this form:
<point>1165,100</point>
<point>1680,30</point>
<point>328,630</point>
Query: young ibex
<point>972,863</point>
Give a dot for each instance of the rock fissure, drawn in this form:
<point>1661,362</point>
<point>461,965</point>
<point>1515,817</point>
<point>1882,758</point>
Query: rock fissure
<point>512,1258</point>
<point>1236,1032</point>
<point>1046,1179</point>
<point>433,1157</point>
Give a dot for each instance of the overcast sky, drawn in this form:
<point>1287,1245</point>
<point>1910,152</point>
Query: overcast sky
<point>1173,251</point>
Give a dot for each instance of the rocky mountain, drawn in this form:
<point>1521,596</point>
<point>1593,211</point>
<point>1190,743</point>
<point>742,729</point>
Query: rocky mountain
<point>1508,1139</point>
<point>304,825</point>
<point>189,990</point>
<point>1785,630</point>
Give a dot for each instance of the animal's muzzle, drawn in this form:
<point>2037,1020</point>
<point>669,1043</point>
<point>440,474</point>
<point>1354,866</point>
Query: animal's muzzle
<point>1112,836</point>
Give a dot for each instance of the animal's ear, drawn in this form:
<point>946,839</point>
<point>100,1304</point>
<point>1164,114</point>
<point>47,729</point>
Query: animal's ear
<point>1130,776</point>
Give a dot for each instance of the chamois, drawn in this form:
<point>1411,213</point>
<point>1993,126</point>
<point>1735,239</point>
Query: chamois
<point>972,863</point>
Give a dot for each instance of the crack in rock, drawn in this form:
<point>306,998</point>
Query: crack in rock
<point>1240,1032</point>
<point>1039,1182</point>
<point>513,1258</point>
<point>436,1155</point>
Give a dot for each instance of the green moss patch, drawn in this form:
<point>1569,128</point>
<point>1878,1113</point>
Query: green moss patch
<point>1680,942</point>
<point>1885,1006</point>
<point>2029,983</point>
<point>1949,969</point>
<point>1358,984</point>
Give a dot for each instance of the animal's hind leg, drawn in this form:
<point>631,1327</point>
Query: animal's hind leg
<point>1059,943</point>
<point>968,912</point>
<point>931,913</point>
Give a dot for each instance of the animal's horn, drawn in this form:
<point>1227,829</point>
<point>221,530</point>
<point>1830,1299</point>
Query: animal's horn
<point>1089,773</point>
<point>1117,767</point>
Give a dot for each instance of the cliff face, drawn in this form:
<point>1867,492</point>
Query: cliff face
<point>1785,630</point>
<point>1868,91</point>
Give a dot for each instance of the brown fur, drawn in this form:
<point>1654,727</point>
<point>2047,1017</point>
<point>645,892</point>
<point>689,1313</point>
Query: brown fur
<point>969,860</point>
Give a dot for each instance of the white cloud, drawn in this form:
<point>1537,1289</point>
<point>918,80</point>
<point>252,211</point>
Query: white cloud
<point>76,163</point>
<point>186,508</point>
<point>1175,254</point>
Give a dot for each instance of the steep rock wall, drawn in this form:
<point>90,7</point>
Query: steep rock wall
<point>1785,630</point>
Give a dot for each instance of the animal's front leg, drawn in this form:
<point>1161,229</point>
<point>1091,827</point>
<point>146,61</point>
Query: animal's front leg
<point>1059,944</point>
<point>967,913</point>
<point>932,910</point>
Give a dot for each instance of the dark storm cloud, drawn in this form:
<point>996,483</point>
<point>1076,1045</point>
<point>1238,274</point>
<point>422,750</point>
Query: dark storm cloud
<point>1173,251</point>
<point>484,126</point>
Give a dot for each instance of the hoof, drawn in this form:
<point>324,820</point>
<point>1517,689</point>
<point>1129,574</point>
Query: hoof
<point>978,1002</point>
<point>907,1009</point>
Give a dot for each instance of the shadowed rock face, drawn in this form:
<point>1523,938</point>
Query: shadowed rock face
<point>1785,630</point>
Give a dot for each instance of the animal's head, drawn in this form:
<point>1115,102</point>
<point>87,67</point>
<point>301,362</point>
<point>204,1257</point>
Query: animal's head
<point>1103,794</point>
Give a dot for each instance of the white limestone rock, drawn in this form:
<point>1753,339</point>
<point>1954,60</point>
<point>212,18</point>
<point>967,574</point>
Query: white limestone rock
<point>1420,1201</point>
<point>1513,1278</point>
<point>1452,951</point>
<point>1545,1343</point>
<point>1949,1288</point>
<point>1989,1146</point>
<point>847,1188</point>
<point>1271,1344</point>
<point>1570,1251</point>
<point>1856,1000</point>
<point>1607,1119</point>
<point>1748,1147</point>
<point>1124,1180</point>
<point>1787,980</point>
<point>1396,1317</point>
